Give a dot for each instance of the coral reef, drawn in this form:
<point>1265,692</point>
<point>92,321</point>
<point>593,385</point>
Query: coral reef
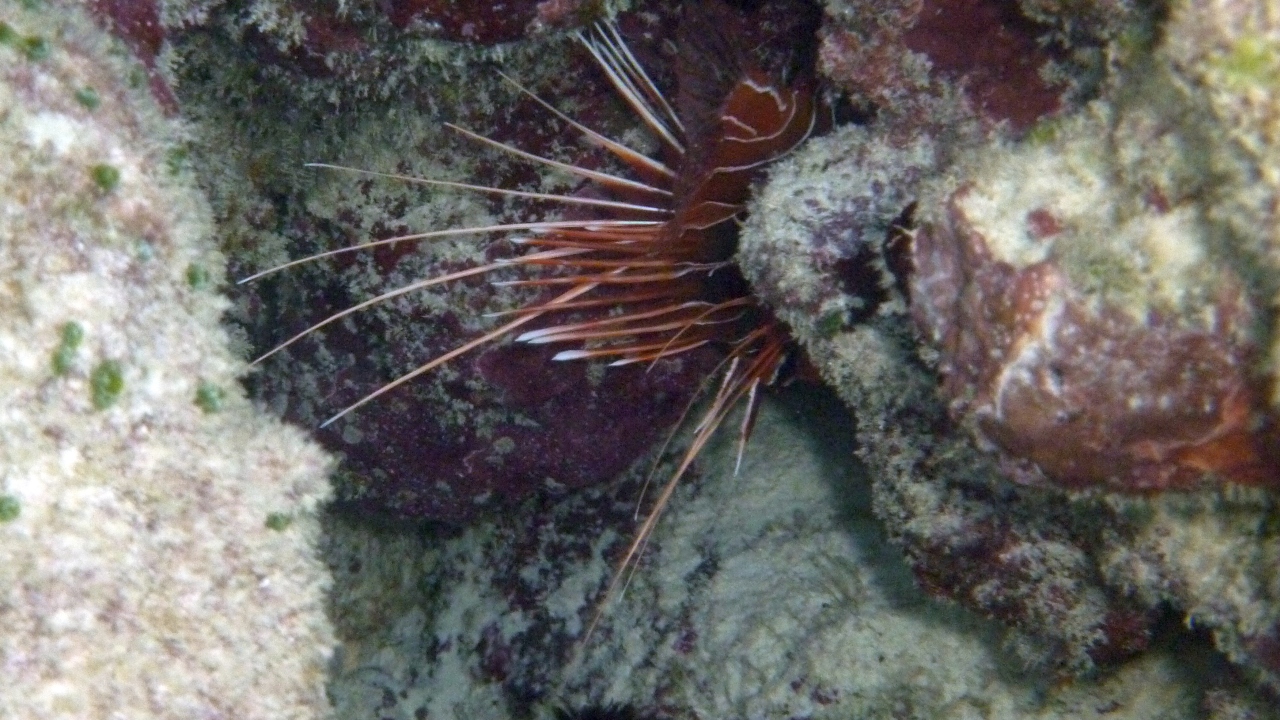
<point>1094,315</point>
<point>1002,550</point>
<point>1042,274</point>
<point>773,593</point>
<point>1228,52</point>
<point>140,575</point>
<point>491,427</point>
<point>1110,336</point>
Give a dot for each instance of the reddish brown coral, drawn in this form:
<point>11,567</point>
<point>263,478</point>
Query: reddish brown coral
<point>993,51</point>
<point>1079,390</point>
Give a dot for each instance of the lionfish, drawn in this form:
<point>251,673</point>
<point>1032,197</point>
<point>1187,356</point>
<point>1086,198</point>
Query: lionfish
<point>653,273</point>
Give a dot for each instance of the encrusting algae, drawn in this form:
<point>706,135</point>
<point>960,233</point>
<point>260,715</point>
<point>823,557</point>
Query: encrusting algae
<point>136,577</point>
<point>996,198</point>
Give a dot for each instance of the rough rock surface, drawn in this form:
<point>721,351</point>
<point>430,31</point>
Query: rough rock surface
<point>770,594</point>
<point>496,424</point>
<point>1090,308</point>
<point>157,533</point>
<point>1116,160</point>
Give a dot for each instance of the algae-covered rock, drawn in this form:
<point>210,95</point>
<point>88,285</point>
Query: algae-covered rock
<point>1162,109</point>
<point>139,573</point>
<point>1090,306</point>
<point>769,593</point>
<point>498,423</point>
<point>1228,53</point>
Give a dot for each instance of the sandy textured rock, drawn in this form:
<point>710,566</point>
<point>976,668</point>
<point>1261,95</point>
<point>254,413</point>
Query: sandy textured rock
<point>156,531</point>
<point>770,594</point>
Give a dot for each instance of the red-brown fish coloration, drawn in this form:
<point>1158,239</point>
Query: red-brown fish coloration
<point>651,274</point>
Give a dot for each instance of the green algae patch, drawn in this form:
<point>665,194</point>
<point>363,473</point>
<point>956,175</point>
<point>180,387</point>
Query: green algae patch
<point>10,508</point>
<point>209,397</point>
<point>106,383</point>
<point>278,521</point>
<point>1252,62</point>
<point>36,48</point>
<point>106,177</point>
<point>89,98</point>
<point>8,36</point>
<point>137,78</point>
<point>1043,132</point>
<point>65,354</point>
<point>176,159</point>
<point>830,324</point>
<point>197,276</point>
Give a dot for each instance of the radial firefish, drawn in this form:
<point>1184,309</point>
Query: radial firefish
<point>652,274</point>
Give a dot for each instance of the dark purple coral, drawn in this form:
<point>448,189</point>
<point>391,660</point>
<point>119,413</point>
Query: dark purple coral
<point>566,430</point>
<point>486,22</point>
<point>137,23</point>
<point>1035,575</point>
<point>985,48</point>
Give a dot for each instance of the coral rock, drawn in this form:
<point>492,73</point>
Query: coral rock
<point>771,593</point>
<point>1087,307</point>
<point>1084,391</point>
<point>157,532</point>
<point>980,57</point>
